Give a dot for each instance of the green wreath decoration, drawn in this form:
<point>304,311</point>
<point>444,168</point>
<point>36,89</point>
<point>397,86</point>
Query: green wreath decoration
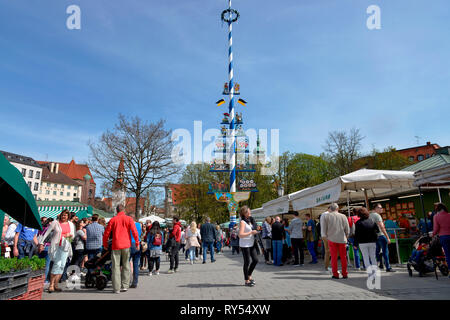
<point>232,11</point>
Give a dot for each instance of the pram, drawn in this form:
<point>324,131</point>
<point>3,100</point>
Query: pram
<point>428,256</point>
<point>99,270</point>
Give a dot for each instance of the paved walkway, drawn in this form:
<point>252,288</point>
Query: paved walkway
<point>224,280</point>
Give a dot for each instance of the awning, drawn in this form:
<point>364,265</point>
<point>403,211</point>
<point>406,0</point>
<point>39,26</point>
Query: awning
<point>352,186</point>
<point>16,198</point>
<point>152,218</point>
<point>54,211</point>
<point>438,176</point>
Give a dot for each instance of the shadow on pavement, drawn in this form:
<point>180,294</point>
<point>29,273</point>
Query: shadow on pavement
<point>209,285</point>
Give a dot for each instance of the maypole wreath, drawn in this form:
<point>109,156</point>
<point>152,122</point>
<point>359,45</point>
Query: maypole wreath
<point>232,11</point>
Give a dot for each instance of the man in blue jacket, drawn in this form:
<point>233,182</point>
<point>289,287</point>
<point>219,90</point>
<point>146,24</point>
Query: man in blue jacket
<point>208,234</point>
<point>135,254</point>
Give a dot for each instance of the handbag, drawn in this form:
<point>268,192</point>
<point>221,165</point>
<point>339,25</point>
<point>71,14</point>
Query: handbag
<point>169,244</point>
<point>155,253</point>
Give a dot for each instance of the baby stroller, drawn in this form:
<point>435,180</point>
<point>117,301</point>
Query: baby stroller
<point>99,270</point>
<point>428,256</point>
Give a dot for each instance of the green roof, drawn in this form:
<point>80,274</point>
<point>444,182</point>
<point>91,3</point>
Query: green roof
<point>433,162</point>
<point>102,213</point>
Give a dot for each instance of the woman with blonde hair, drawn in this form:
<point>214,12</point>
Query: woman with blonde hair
<point>192,240</point>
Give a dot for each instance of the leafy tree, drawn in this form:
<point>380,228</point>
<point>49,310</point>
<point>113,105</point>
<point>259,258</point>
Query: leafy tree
<point>388,159</point>
<point>196,203</point>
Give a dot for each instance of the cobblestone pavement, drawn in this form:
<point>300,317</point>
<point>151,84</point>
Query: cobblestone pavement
<point>224,280</point>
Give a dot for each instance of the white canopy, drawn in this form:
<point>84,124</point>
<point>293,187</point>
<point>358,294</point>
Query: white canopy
<point>352,186</point>
<point>152,218</point>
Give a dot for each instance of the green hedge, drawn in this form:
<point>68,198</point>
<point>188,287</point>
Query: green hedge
<point>14,264</point>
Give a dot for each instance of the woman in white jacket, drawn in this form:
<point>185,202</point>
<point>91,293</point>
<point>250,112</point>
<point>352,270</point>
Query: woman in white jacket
<point>60,247</point>
<point>192,237</point>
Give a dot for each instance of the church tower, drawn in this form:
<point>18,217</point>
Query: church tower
<point>119,194</point>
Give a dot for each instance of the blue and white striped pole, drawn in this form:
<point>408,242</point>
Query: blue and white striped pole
<point>231,107</point>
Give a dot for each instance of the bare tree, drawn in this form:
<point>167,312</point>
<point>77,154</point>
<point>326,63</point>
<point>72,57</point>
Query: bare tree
<point>144,147</point>
<point>342,149</point>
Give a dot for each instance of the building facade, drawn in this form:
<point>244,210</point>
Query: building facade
<point>81,174</point>
<point>419,153</point>
<point>56,186</point>
<point>29,168</point>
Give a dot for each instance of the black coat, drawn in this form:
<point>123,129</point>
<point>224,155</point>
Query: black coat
<point>278,232</point>
<point>208,232</point>
<point>366,231</point>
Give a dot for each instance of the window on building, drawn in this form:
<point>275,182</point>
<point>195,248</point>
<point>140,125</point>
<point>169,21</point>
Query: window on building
<point>54,193</point>
<point>68,194</point>
<point>427,156</point>
<point>55,185</point>
<point>61,193</point>
<point>62,186</point>
<point>35,197</point>
<point>38,174</point>
<point>30,173</point>
<point>69,187</point>
<point>29,184</point>
<point>36,186</point>
<point>420,157</point>
<point>90,193</point>
<point>24,172</point>
<point>411,158</point>
<point>46,199</point>
<point>48,184</point>
<point>74,194</point>
<point>47,192</point>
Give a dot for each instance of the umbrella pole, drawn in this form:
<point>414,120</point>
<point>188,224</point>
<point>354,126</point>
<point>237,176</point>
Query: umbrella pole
<point>423,210</point>
<point>348,213</point>
<point>439,194</point>
<point>2,219</point>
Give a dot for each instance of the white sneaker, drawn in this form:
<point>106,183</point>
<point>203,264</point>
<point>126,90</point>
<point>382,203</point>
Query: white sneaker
<point>150,273</point>
<point>329,269</point>
<point>157,273</point>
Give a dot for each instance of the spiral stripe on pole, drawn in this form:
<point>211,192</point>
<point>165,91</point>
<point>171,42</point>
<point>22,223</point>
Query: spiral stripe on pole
<point>231,107</point>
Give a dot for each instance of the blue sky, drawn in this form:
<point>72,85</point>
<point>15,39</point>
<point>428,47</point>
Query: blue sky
<point>305,67</point>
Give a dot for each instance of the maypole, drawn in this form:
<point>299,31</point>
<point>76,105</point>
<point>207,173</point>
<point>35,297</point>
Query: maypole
<point>229,145</point>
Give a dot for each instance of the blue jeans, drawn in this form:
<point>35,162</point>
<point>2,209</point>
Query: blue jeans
<point>42,255</point>
<point>351,243</point>
<point>219,246</point>
<point>135,256</point>
<point>310,245</point>
<point>191,253</point>
<point>383,245</point>
<point>206,246</point>
<point>93,252</point>
<point>445,243</point>
<point>25,248</point>
<point>277,247</point>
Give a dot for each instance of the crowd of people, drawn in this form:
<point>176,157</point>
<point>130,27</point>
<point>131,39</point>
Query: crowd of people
<point>285,242</point>
<point>137,246</point>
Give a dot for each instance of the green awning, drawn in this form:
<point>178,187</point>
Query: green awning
<point>16,198</point>
<point>55,210</point>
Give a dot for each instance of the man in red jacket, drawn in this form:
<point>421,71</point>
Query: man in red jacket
<point>120,226</point>
<point>173,253</point>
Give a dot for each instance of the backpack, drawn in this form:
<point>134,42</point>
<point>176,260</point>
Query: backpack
<point>157,240</point>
